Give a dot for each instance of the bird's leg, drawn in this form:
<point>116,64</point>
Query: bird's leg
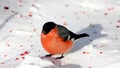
<point>48,55</point>
<point>60,57</point>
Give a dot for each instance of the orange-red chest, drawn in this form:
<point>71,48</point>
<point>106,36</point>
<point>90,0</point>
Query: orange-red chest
<point>54,44</point>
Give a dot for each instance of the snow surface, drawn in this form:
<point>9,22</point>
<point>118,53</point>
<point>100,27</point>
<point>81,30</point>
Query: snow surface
<point>21,23</point>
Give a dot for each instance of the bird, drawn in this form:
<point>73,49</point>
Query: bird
<point>57,39</point>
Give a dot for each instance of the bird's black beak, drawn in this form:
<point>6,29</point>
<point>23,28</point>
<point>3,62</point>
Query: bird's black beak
<point>44,32</point>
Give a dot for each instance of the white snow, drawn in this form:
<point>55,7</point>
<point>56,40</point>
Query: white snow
<point>22,21</point>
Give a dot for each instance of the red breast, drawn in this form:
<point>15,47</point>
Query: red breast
<point>54,44</point>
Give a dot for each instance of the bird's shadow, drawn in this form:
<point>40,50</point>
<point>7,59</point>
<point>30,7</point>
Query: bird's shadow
<point>57,63</point>
<point>94,31</point>
<point>65,66</point>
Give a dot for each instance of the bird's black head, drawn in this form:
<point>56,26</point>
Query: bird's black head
<point>47,27</point>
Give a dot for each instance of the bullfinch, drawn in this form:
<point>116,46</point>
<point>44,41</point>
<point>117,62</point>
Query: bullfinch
<point>57,39</point>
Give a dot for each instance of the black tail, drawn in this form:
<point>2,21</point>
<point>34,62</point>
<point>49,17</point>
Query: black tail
<point>77,36</point>
<point>81,35</point>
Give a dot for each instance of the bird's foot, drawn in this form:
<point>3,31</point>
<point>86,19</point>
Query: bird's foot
<point>60,57</point>
<point>48,55</point>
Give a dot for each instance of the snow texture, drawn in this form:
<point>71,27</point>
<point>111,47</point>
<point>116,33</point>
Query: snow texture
<point>21,22</point>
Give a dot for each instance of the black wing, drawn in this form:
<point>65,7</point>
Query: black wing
<point>67,34</point>
<point>63,32</point>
